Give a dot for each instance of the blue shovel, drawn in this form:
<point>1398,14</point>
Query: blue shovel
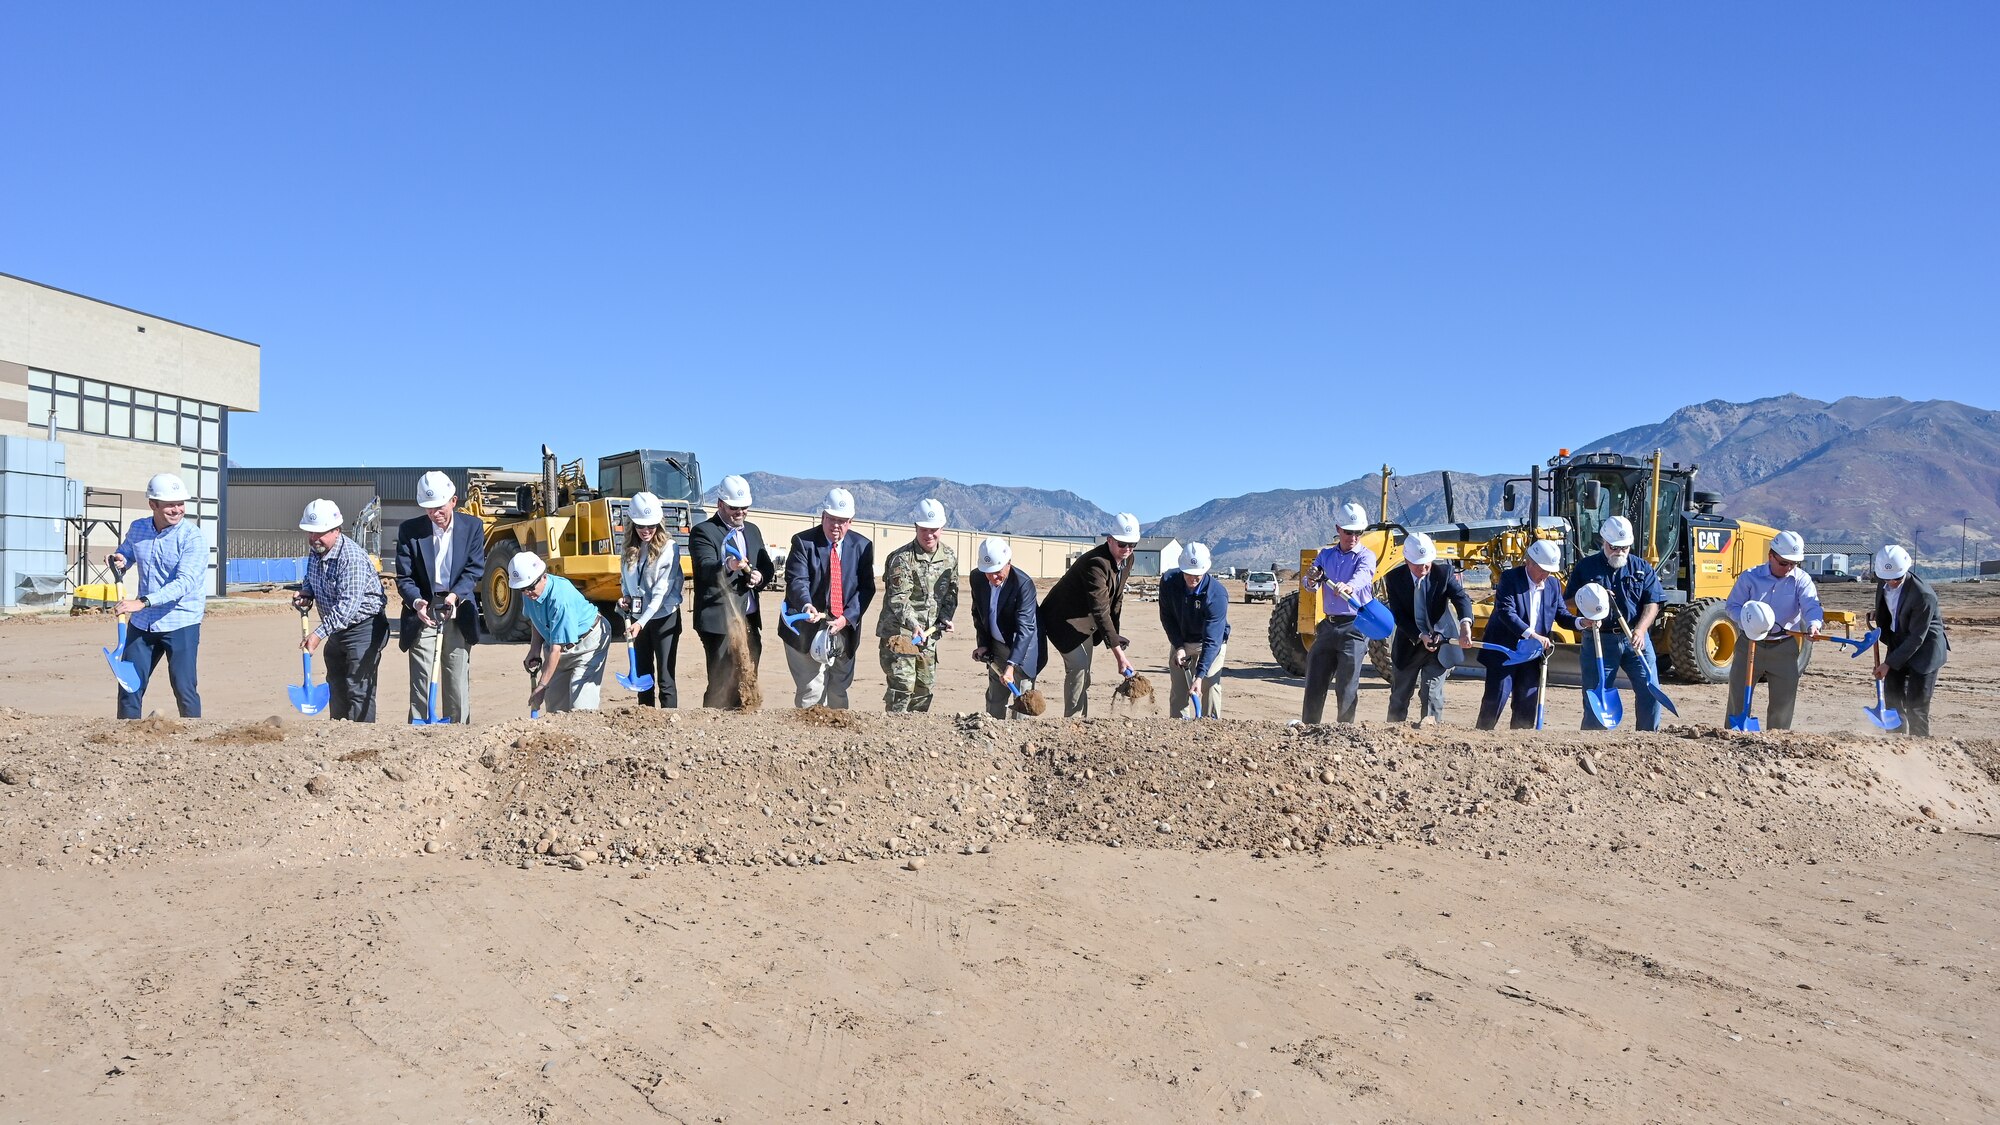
<point>128,676</point>
<point>1866,642</point>
<point>1746,721</point>
<point>1882,715</point>
<point>1651,682</point>
<point>1603,701</point>
<point>1523,651</point>
<point>790,620</point>
<point>1374,620</point>
<point>437,654</point>
<point>308,698</point>
<point>634,681</point>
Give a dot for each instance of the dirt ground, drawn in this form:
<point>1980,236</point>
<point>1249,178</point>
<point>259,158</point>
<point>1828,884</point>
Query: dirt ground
<point>701,916</point>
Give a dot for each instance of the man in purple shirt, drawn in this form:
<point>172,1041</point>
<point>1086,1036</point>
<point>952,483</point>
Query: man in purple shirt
<point>1342,575</point>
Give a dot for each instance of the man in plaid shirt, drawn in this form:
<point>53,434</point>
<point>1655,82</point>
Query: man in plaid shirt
<point>342,582</point>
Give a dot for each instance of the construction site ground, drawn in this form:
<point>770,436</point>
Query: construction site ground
<point>698,916</point>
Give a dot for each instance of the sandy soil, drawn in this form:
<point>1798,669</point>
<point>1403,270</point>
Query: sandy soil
<point>699,916</point>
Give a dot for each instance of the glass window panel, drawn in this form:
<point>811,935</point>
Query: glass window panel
<point>142,424</point>
<point>120,420</point>
<point>39,404</point>
<point>211,460</point>
<point>211,485</point>
<point>68,383</point>
<point>169,402</point>
<point>93,388</point>
<point>40,379</point>
<point>211,435</point>
<point>66,412</point>
<point>142,398</point>
<point>167,428</point>
<point>118,393</point>
<point>211,411</point>
<point>93,416</point>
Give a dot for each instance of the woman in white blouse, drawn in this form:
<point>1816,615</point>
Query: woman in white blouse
<point>650,585</point>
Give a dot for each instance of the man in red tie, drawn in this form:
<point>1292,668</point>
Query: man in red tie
<point>830,577</point>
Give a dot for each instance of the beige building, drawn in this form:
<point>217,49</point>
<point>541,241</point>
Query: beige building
<point>127,394</point>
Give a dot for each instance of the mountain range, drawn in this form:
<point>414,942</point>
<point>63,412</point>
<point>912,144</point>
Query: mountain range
<point>1849,474</point>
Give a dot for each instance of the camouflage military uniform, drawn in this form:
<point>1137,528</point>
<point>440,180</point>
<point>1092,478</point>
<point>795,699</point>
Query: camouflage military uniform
<point>922,593</point>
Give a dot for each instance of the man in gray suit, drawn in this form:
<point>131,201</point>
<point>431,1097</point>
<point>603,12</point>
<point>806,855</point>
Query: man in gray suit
<point>1906,610</point>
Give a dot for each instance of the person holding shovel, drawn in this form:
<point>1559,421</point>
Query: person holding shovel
<point>1341,574</point>
<point>831,565</point>
<point>920,584</point>
<point>1083,609</point>
<point>171,556</point>
<point>440,558</point>
<point>649,587</point>
<point>1906,610</point>
<point>730,567</point>
<point>1006,628</point>
<point>1527,602</point>
<point>1636,596</point>
<point>1793,600</point>
<point>1425,598</point>
<point>569,640</point>
<point>352,630</point>
<point>1194,611</point>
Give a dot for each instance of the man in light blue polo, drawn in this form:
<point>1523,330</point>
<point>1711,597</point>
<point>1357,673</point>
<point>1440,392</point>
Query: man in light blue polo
<point>571,673</point>
<point>171,556</point>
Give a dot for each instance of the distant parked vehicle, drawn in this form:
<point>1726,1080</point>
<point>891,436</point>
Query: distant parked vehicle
<point>1826,576</point>
<point>1261,586</point>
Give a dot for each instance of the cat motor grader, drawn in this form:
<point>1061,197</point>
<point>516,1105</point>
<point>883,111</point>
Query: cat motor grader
<point>1697,551</point>
<point>578,530</point>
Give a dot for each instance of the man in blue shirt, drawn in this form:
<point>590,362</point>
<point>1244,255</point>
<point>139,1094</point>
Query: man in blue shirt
<point>1794,602</point>
<point>1194,610</point>
<point>1342,576</point>
<point>1636,596</point>
<point>570,674</point>
<point>352,627</point>
<point>171,556</point>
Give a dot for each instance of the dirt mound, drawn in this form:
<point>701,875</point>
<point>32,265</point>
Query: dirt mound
<point>149,729</point>
<point>826,717</point>
<point>248,734</point>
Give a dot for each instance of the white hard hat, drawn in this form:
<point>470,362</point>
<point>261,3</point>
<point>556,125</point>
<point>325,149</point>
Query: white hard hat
<point>435,490</point>
<point>1195,559</point>
<point>822,646</point>
<point>839,504</point>
<point>994,554</point>
<point>524,569</point>
<point>1757,620</point>
<point>321,515</point>
<point>1125,528</point>
<point>645,510</point>
<point>1892,562</point>
<point>166,488</point>
<point>1788,546</point>
<point>1419,549</point>
<point>1353,517</point>
<point>1616,532</point>
<point>930,514</point>
<point>1545,553</point>
<point>1593,601</point>
<point>735,492</point>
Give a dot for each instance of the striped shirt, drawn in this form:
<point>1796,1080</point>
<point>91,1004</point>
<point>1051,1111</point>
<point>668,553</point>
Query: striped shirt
<point>344,585</point>
<point>173,573</point>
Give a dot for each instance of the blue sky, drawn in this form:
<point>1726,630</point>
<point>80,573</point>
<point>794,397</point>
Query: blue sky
<point>1154,253</point>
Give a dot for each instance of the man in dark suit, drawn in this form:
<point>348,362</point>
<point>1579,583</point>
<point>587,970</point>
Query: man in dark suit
<point>1423,596</point>
<point>730,567</point>
<point>1082,611</point>
<point>1006,628</point>
<point>1906,610</point>
<point>440,558</point>
<point>1527,602</point>
<point>830,566</point>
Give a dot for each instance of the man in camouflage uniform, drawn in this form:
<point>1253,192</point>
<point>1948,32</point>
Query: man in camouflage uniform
<point>921,580</point>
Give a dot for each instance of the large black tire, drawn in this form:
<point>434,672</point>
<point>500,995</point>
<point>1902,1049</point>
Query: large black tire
<point>1286,648</point>
<point>1702,643</point>
<point>499,605</point>
<point>1379,654</point>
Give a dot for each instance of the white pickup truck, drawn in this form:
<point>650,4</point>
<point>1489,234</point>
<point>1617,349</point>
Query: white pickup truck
<point>1261,586</point>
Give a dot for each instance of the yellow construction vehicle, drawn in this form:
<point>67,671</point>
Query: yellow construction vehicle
<point>578,530</point>
<point>1698,552</point>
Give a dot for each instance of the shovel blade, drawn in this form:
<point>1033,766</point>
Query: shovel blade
<point>1884,717</point>
<point>126,673</point>
<point>309,699</point>
<point>1606,707</point>
<point>1660,697</point>
<point>1745,723</point>
<point>635,683</point>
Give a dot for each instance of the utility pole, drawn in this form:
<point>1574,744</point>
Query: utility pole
<point>1962,526</point>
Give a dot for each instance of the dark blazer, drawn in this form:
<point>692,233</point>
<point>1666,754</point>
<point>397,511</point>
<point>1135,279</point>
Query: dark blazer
<point>415,560</point>
<point>1443,594</point>
<point>1509,622</point>
<point>807,574</point>
<point>1085,605</point>
<point>1917,643</point>
<point>1017,638</point>
<point>711,613</point>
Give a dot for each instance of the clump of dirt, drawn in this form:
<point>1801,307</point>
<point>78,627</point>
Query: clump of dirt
<point>742,663</point>
<point>1134,689</point>
<point>827,717</point>
<point>902,646</point>
<point>1031,702</point>
<point>150,729</point>
<point>546,743</point>
<point>248,734</point>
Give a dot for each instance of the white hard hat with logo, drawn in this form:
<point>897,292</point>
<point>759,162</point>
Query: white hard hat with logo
<point>1593,601</point>
<point>1616,532</point>
<point>166,488</point>
<point>525,569</point>
<point>735,492</point>
<point>839,504</point>
<point>320,515</point>
<point>1353,517</point>
<point>1892,562</point>
<point>435,490</point>
<point>1789,546</point>
<point>1195,559</point>
<point>994,554</point>
<point>1125,528</point>
<point>1545,553</point>
<point>1418,549</point>
<point>1757,620</point>
<point>645,510</point>
<point>930,514</point>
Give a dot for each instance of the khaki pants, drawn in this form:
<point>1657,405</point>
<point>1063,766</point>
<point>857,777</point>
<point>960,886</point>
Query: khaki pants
<point>1076,680</point>
<point>455,692</point>
<point>579,678</point>
<point>1209,687</point>
<point>1778,669</point>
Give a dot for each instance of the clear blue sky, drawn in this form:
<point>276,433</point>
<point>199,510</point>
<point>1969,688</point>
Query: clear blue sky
<point>1151,252</point>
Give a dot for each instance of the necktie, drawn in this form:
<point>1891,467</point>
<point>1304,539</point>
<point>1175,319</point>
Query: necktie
<point>1421,612</point>
<point>833,591</point>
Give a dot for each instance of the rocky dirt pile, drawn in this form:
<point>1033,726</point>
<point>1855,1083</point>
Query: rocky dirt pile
<point>635,789</point>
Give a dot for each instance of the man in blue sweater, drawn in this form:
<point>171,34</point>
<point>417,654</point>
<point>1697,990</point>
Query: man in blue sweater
<point>1194,611</point>
<point>1636,596</point>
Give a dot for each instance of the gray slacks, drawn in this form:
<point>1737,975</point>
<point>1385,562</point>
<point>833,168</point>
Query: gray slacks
<point>455,690</point>
<point>1423,678</point>
<point>1778,669</point>
<point>1338,652</point>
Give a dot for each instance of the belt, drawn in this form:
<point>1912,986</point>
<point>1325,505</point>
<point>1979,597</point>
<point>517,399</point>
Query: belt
<point>1339,618</point>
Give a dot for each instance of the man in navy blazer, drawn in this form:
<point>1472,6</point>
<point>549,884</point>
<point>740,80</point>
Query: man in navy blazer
<point>1006,627</point>
<point>1527,602</point>
<point>440,558</point>
<point>830,576</point>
